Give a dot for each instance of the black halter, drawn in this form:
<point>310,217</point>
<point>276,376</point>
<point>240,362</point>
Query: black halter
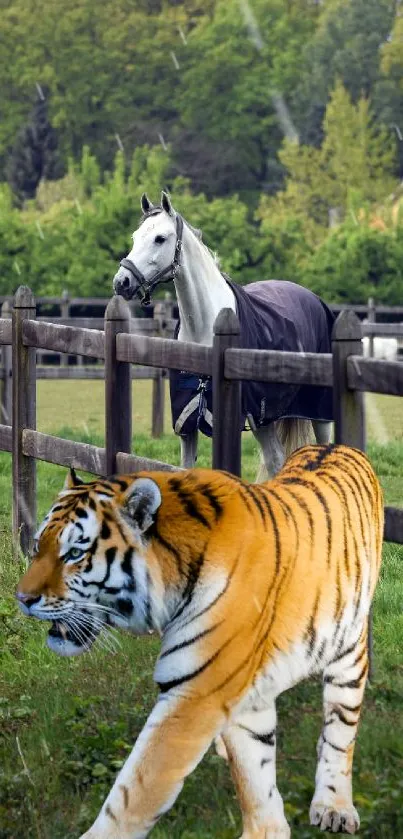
<point>145,287</point>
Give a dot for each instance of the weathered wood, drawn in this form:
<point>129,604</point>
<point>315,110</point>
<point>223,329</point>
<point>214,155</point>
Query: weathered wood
<point>371,320</point>
<point>276,366</point>
<point>162,311</point>
<point>102,302</point>
<point>138,349</point>
<point>64,311</point>
<point>24,416</point>
<point>362,309</point>
<point>127,463</point>
<point>227,422</point>
<point>5,324</point>
<point>348,405</point>
<point>374,375</point>
<point>92,372</point>
<point>7,361</point>
<point>383,330</point>
<point>158,405</point>
<point>6,438</point>
<point>138,326</point>
<point>67,339</point>
<point>393,525</point>
<point>118,392</point>
<point>85,323</point>
<point>64,452</point>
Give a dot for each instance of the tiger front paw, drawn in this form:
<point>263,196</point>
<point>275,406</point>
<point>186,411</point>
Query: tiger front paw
<point>340,820</point>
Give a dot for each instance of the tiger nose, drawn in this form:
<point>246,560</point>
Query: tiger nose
<point>27,599</point>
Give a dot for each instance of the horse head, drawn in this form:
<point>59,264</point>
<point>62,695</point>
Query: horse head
<point>155,254</point>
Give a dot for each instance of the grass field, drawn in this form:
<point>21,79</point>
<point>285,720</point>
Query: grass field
<point>67,725</point>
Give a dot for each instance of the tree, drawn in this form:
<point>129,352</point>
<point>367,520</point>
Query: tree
<point>355,162</point>
<point>346,45</point>
<point>34,155</point>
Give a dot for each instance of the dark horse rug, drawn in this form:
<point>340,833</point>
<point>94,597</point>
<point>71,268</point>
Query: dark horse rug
<point>273,315</point>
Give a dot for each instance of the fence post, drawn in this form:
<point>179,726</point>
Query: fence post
<point>7,386</point>
<point>24,416</point>
<point>227,424</point>
<point>65,313</point>
<point>118,390</point>
<point>371,319</point>
<point>348,405</point>
<point>158,398</point>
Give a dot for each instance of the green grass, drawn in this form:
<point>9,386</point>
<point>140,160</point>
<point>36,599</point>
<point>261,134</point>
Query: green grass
<point>66,725</point>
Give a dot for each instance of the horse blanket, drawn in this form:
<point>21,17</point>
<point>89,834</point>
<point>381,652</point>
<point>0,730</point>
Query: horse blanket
<point>273,315</point>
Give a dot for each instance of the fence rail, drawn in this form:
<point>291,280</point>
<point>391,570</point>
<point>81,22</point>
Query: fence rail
<point>67,302</point>
<point>228,364</point>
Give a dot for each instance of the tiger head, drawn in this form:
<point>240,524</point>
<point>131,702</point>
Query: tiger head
<point>89,568</point>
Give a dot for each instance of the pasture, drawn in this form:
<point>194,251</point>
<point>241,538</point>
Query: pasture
<point>67,725</point>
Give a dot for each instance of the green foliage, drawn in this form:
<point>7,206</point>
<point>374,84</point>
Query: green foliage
<point>356,262</point>
<point>346,45</point>
<point>356,156</point>
<point>199,75</point>
<point>76,231</point>
<point>34,155</point>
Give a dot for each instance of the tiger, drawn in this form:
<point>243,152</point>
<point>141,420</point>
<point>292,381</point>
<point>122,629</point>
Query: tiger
<point>252,588</point>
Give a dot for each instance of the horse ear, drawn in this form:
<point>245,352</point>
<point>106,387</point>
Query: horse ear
<point>146,204</point>
<point>166,203</point>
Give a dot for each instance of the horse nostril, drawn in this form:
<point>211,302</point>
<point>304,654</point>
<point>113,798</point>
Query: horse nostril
<point>27,599</point>
<point>125,283</point>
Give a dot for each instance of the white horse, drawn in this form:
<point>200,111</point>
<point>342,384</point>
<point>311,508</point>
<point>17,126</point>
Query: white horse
<point>165,248</point>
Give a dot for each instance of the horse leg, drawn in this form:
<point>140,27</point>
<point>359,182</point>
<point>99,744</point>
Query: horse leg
<point>322,431</point>
<point>189,450</point>
<point>272,452</point>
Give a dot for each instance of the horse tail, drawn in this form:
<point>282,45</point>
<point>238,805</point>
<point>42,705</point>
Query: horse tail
<point>293,433</point>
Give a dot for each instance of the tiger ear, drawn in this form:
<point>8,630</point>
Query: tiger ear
<point>141,502</point>
<point>72,479</point>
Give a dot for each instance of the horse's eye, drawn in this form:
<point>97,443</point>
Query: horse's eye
<point>159,240</point>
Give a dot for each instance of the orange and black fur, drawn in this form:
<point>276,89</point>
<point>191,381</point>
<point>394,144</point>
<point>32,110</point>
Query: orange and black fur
<point>252,588</point>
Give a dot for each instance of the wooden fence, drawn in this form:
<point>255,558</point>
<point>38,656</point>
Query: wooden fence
<point>161,325</point>
<point>67,304</point>
<point>227,363</point>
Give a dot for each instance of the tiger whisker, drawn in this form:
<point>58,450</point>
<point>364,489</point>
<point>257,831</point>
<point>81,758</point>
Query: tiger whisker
<point>91,623</point>
<point>75,627</point>
<point>101,608</point>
